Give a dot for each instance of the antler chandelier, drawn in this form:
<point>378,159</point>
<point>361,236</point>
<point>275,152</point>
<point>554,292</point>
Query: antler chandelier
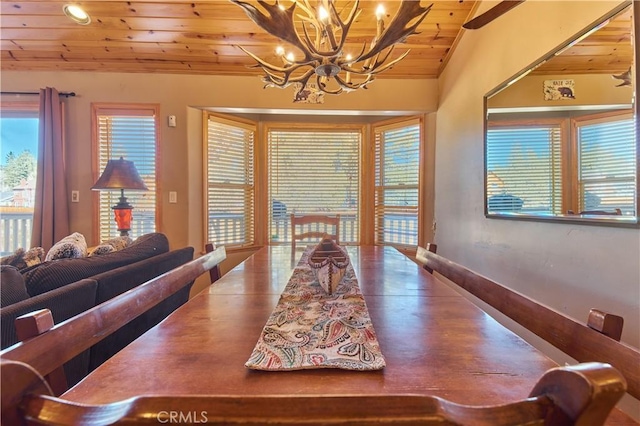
<point>321,45</point>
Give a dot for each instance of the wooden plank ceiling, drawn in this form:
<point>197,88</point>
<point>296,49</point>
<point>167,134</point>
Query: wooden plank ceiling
<point>193,37</point>
<point>609,50</point>
<point>201,37</point>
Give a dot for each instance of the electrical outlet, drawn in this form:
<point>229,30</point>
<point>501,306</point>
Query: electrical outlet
<point>75,196</point>
<point>173,197</point>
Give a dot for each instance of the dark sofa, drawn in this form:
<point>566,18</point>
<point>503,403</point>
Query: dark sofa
<point>70,286</point>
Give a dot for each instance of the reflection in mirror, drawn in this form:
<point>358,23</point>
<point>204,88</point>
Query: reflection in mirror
<point>560,138</point>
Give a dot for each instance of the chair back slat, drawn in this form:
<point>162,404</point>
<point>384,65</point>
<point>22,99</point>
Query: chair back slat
<point>298,231</point>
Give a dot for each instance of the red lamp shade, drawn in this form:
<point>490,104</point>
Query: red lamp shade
<point>121,174</point>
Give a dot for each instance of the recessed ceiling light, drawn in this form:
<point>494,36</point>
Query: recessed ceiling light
<point>76,14</point>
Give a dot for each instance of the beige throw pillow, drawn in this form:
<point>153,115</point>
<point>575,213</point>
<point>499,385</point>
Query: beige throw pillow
<point>72,246</point>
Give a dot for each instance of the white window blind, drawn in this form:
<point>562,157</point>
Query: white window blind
<point>129,133</point>
<point>607,164</point>
<point>230,182</point>
<point>397,164</point>
<point>524,172</point>
<point>314,172</point>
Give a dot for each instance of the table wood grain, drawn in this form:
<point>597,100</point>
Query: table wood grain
<point>435,341</point>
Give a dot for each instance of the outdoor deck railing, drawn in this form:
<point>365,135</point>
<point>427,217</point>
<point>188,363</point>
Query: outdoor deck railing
<point>230,228</point>
<point>281,229</point>
<point>15,229</point>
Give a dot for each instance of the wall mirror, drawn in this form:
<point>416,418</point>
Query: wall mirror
<point>560,139</point>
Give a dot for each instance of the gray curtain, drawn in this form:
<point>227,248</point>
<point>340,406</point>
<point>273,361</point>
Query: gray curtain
<point>51,211</point>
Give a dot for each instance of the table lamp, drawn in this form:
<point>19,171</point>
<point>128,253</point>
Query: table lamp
<point>121,174</point>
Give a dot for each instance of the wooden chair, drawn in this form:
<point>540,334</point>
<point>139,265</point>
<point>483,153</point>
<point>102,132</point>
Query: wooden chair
<point>214,273</point>
<point>573,395</point>
<point>299,222</point>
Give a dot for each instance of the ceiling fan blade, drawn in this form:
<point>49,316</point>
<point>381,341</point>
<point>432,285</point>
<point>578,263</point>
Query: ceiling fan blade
<point>491,14</point>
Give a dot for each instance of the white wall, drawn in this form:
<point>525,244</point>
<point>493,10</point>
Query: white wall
<point>568,267</point>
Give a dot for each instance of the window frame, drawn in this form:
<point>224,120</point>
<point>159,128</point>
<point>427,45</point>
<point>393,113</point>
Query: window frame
<point>124,109</point>
<point>585,120</point>
<point>268,127</point>
<point>564,185</point>
<point>570,173</point>
<point>426,195</point>
<point>21,109</point>
<point>247,125</point>
<point>397,124</point>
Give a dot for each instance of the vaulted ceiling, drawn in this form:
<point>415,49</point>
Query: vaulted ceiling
<point>201,37</point>
<point>192,37</point>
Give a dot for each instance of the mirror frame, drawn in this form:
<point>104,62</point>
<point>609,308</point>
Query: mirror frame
<point>628,221</point>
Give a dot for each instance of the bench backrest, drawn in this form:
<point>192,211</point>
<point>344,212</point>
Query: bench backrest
<point>575,395</point>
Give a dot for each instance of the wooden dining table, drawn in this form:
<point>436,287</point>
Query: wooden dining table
<point>434,340</point>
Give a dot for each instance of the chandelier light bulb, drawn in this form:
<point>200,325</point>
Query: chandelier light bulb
<point>279,50</point>
<point>380,12</point>
<point>290,57</point>
<point>323,15</point>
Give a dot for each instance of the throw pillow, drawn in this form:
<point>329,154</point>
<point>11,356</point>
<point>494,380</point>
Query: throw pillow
<point>15,259</point>
<point>119,243</point>
<point>101,249</point>
<point>13,289</point>
<point>34,256</point>
<point>23,259</point>
<point>72,246</point>
<point>109,246</point>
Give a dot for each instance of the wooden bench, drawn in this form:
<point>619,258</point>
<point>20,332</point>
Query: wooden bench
<point>45,347</point>
<point>584,343</point>
<point>576,395</point>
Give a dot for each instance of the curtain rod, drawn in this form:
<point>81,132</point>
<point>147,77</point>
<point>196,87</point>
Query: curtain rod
<point>65,94</point>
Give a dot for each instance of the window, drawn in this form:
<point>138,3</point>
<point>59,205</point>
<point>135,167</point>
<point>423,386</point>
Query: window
<point>554,166</point>
<point>314,171</point>
<point>131,132</point>
<point>397,177</point>
<point>229,218</point>
<point>524,169</point>
<point>607,163</point>
<point>19,123</point>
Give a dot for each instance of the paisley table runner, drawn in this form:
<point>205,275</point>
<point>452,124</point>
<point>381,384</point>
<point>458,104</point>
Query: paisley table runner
<point>311,329</point>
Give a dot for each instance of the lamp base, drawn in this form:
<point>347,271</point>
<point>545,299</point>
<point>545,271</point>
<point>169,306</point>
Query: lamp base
<point>123,213</point>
